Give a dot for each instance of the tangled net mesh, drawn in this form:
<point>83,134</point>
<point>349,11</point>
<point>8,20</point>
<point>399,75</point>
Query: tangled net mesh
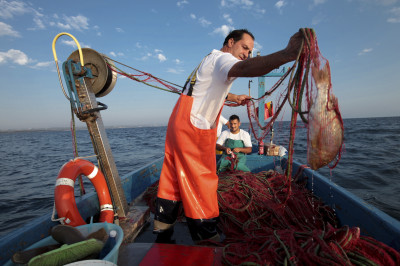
<point>269,221</point>
<point>309,94</point>
<point>270,218</point>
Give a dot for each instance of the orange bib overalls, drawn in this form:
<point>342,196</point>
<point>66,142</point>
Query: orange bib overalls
<point>189,168</point>
<point>188,174</point>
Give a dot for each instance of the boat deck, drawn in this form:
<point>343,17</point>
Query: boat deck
<point>144,250</point>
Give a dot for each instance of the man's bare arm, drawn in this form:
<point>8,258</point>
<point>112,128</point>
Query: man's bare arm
<point>261,65</point>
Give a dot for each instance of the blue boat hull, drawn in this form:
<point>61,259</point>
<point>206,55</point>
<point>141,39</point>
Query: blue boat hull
<point>350,210</point>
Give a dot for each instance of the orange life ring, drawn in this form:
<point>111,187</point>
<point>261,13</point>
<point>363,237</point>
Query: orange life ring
<point>64,192</point>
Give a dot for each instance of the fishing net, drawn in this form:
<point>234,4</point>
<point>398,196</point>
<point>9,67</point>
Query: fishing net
<point>307,87</point>
<point>270,218</point>
<point>269,221</point>
<point>142,77</point>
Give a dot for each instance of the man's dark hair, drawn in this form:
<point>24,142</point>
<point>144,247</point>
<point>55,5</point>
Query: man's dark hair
<point>233,117</point>
<point>237,35</point>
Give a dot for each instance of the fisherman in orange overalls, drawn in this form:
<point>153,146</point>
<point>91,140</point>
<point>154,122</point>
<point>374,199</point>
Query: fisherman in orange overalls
<point>189,174</point>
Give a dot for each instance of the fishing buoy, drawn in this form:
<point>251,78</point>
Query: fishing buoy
<point>104,78</point>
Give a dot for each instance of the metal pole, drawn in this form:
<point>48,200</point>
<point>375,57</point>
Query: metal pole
<point>101,145</point>
<point>261,91</point>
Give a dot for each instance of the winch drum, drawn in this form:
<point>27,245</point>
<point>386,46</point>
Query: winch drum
<point>104,78</point>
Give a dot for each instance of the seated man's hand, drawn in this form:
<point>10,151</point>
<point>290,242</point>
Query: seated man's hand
<point>228,151</point>
<point>237,150</point>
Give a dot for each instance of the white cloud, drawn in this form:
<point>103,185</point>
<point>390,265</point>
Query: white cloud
<point>181,3</point>
<point>247,5</point>
<point>237,3</point>
<point>13,8</point>
<point>119,30</point>
<point>366,50</point>
<point>317,19</point>
<point>97,29</point>
<point>73,22</point>
<point>161,57</point>
<point>386,2</point>
<point>257,47</point>
<point>204,22</point>
<point>7,30</point>
<point>15,56</point>
<point>261,11</point>
<point>395,15</point>
<point>145,57</point>
<point>157,51</point>
<point>319,2</point>
<point>223,30</point>
<point>178,62</point>
<point>175,71</point>
<point>73,44</point>
<point>228,18</point>
<point>43,64</point>
<point>39,23</point>
<point>9,9</point>
<point>114,54</point>
<point>280,4</point>
<point>78,22</point>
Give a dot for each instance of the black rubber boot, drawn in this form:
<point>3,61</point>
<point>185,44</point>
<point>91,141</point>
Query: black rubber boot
<point>203,229</point>
<point>165,237</point>
<point>167,211</point>
<point>164,220</point>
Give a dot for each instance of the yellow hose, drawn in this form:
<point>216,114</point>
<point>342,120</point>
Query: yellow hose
<point>56,60</point>
<point>75,40</point>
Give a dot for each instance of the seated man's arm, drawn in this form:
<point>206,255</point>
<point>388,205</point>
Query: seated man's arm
<point>221,141</point>
<point>221,148</point>
<point>245,150</point>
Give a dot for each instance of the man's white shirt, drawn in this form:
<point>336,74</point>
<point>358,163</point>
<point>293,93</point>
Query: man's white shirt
<point>242,135</point>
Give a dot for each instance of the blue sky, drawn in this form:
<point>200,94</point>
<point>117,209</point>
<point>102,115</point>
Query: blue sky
<point>360,38</point>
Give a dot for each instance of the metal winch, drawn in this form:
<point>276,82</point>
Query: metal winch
<point>104,79</point>
<point>88,75</point>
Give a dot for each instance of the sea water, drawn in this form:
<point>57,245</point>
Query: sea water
<point>30,162</point>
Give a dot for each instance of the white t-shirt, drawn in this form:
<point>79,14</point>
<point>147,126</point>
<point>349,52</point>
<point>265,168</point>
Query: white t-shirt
<point>211,88</point>
<point>242,135</point>
<point>222,121</point>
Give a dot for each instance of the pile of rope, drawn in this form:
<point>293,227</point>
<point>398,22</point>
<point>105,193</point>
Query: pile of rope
<point>269,221</point>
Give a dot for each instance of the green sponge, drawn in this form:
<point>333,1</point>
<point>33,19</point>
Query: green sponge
<point>68,253</point>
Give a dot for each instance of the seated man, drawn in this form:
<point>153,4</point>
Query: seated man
<point>235,143</point>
